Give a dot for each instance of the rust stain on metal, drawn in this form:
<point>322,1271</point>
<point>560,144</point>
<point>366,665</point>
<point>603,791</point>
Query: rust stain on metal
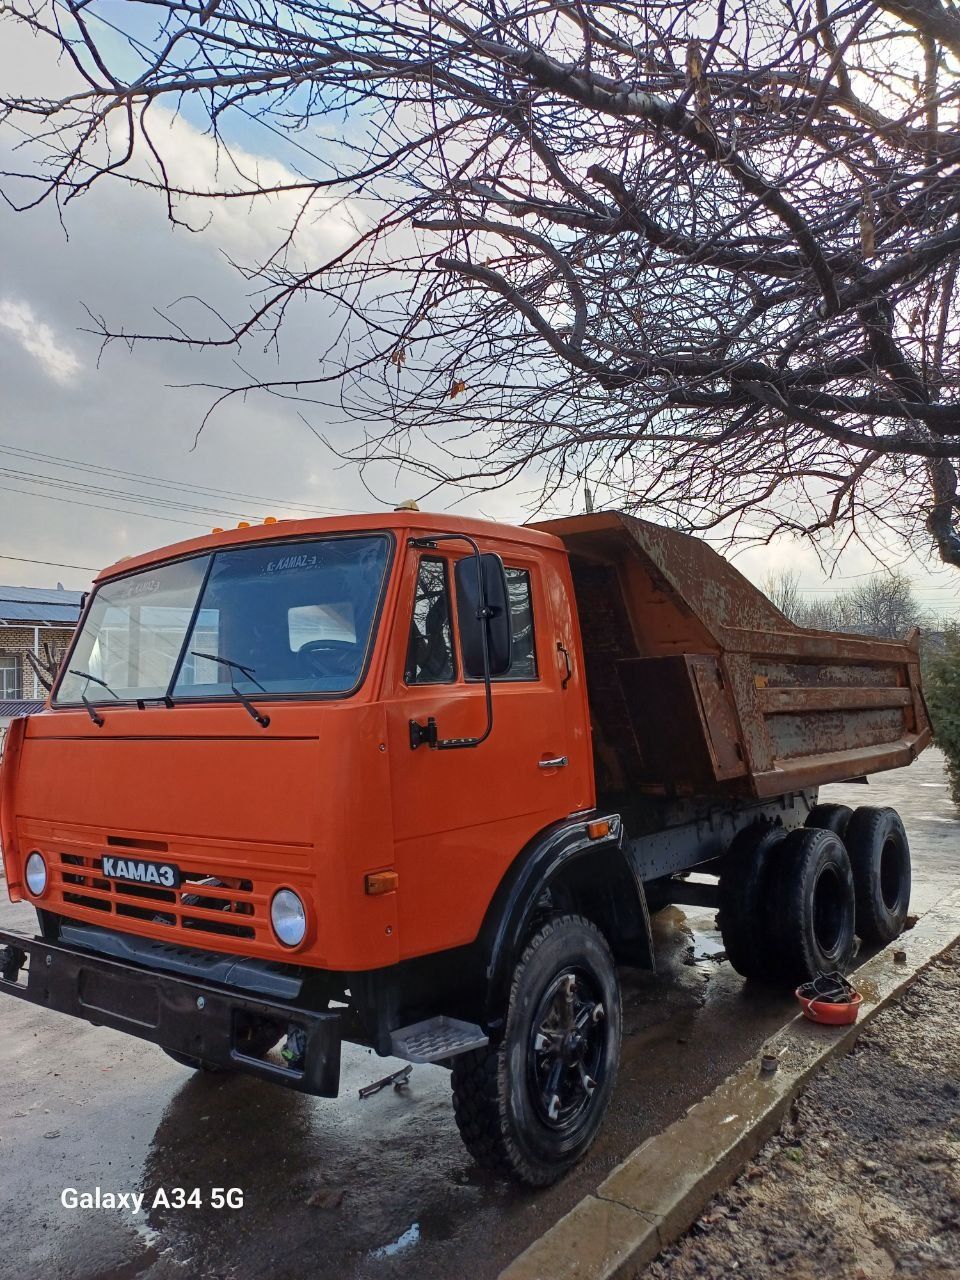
<point>697,681</point>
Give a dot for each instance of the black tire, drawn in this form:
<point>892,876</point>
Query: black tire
<point>830,817</point>
<point>880,858</point>
<point>743,902</point>
<point>525,1107</point>
<point>812,904</point>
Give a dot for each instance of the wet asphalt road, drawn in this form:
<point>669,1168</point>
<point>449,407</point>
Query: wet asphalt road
<point>82,1107</point>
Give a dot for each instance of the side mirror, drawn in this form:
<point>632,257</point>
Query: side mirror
<point>470,616</point>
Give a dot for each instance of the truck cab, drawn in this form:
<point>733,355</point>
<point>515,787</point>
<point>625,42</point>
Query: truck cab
<point>336,779</point>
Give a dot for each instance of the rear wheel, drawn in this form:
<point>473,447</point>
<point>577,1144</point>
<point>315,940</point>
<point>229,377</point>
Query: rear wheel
<point>743,902</point>
<point>880,858</point>
<point>530,1106</point>
<point>830,817</point>
<point>812,904</point>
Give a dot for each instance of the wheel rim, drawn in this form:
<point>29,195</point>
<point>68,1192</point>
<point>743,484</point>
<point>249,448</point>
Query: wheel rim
<point>566,1057</point>
<point>891,874</point>
<point>829,910</point>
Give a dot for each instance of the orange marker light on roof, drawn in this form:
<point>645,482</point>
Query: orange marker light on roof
<point>244,524</point>
<point>217,528</point>
<point>269,519</point>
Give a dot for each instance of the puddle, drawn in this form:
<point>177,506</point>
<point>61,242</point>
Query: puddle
<point>707,945</point>
<point>869,990</point>
<point>409,1238</point>
<point>149,1235</point>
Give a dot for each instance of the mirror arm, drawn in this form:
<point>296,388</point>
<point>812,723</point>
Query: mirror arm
<point>427,734</point>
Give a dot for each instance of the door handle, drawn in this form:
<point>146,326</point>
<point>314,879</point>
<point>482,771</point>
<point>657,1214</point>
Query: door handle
<point>568,673</point>
<point>558,762</point>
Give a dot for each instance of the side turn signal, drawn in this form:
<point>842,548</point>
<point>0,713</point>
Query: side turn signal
<point>597,830</point>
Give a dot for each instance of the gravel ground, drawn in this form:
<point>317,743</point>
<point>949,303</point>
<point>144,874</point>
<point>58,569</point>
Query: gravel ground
<point>863,1180</point>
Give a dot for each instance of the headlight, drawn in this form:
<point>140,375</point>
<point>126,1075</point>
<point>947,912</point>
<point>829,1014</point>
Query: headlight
<point>36,874</point>
<point>288,917</point>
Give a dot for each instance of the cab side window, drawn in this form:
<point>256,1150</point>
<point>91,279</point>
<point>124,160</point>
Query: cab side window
<point>523,665</point>
<point>430,649</point>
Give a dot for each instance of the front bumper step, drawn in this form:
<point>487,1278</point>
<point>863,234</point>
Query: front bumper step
<point>436,1039</point>
<point>187,1017</point>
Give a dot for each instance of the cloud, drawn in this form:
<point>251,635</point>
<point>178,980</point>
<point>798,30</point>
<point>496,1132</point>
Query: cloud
<point>248,229</point>
<point>38,339</point>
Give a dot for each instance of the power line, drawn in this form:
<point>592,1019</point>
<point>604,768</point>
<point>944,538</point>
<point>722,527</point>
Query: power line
<point>162,482</point>
<point>116,511</point>
<point>54,564</point>
<point>104,491</point>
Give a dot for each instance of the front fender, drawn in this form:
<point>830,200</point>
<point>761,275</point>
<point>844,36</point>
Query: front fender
<point>589,876</point>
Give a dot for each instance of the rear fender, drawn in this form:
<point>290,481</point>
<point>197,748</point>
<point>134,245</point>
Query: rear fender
<point>564,870</point>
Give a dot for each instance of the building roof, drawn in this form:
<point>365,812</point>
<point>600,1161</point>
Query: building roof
<point>10,707</point>
<point>36,606</point>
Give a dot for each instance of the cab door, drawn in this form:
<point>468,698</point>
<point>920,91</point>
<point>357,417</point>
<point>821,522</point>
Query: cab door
<point>461,816</point>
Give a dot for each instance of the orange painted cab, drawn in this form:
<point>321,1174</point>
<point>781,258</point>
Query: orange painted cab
<point>329,793</point>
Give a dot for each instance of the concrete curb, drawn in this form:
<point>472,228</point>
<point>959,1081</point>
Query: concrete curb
<point>661,1188</point>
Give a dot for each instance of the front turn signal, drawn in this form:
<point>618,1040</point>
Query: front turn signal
<point>377,882</point>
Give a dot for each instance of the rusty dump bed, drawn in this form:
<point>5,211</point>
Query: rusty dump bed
<point>698,685</point>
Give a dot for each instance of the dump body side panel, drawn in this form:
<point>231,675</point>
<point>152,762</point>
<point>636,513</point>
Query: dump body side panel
<point>699,685</point>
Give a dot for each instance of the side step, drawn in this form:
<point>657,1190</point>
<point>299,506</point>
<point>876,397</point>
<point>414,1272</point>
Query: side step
<point>435,1039</point>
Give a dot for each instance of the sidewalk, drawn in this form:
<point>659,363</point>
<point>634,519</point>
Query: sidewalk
<point>863,1180</point>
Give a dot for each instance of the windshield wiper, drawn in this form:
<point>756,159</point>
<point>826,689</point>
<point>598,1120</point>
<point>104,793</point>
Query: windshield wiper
<point>86,675</point>
<point>261,719</point>
<point>90,708</point>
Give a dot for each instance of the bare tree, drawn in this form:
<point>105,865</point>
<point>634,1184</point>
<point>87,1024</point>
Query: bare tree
<point>825,613</point>
<point>783,590</point>
<point>704,254</point>
<point>882,605</point>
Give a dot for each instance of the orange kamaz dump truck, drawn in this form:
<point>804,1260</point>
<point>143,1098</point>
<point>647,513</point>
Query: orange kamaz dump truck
<point>416,782</point>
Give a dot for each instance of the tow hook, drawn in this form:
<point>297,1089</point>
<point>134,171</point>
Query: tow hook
<point>399,1079</point>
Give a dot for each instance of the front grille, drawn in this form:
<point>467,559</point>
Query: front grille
<point>205,902</point>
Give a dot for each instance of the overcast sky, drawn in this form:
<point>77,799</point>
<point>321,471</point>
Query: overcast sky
<point>123,259</point>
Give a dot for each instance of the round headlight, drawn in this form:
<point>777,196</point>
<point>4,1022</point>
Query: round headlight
<point>288,917</point>
<point>36,874</point>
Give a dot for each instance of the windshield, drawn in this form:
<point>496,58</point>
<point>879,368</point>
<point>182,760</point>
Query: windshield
<point>285,618</point>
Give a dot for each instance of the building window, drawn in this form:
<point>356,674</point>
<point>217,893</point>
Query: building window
<point>430,651</point>
<point>11,687</point>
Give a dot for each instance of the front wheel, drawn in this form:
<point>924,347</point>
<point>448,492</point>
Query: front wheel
<point>530,1106</point>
